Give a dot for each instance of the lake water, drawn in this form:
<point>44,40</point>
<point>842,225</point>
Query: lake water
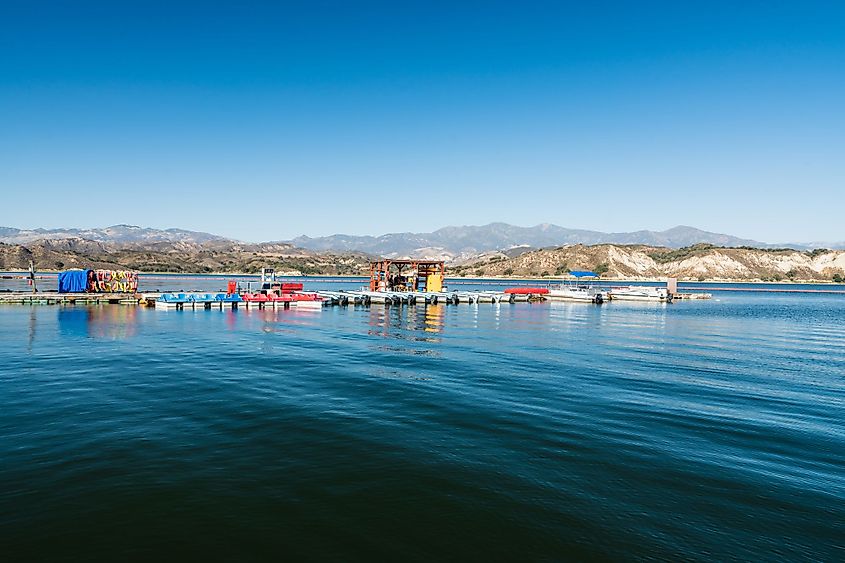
<point>699,430</point>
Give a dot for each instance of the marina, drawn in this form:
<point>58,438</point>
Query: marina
<point>391,283</point>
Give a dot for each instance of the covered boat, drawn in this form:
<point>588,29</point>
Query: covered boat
<point>577,291</point>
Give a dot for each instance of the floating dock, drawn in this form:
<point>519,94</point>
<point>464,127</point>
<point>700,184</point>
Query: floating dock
<point>52,298</point>
<point>198,300</point>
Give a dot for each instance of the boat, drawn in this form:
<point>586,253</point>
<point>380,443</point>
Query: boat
<point>527,290</point>
<point>640,293</point>
<point>584,293</point>
<point>306,300</point>
<point>578,292</point>
<point>497,297</point>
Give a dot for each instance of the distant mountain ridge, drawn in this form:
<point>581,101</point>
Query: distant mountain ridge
<point>701,261</point>
<point>116,234</point>
<point>465,241</point>
<point>450,243</point>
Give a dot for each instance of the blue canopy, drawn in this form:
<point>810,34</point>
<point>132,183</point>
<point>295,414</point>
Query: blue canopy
<point>583,274</point>
<point>73,281</point>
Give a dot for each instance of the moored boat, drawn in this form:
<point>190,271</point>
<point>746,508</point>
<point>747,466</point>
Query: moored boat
<point>578,292</point>
<point>640,293</point>
<point>527,290</point>
<point>307,300</point>
<point>583,293</point>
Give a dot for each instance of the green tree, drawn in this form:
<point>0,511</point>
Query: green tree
<point>508,272</point>
<point>837,278</point>
<point>601,269</point>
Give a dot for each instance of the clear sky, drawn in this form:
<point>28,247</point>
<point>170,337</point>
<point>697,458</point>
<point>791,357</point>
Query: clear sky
<point>263,121</point>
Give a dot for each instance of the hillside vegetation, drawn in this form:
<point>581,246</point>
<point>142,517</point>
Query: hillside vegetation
<point>700,261</point>
<point>177,257</point>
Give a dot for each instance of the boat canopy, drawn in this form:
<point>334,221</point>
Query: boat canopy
<point>583,274</point>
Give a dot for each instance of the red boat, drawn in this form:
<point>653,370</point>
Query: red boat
<point>527,290</point>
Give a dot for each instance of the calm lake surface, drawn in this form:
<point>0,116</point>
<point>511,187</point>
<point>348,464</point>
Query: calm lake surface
<point>701,430</point>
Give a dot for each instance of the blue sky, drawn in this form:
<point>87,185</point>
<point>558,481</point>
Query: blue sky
<point>263,121</point>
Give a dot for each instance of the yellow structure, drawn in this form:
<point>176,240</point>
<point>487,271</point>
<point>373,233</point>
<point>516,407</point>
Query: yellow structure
<point>407,275</point>
<point>434,282</point>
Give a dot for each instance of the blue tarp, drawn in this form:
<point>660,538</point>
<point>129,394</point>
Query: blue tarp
<point>583,274</point>
<point>73,281</point>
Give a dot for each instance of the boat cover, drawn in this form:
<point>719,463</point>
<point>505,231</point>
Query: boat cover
<point>73,281</point>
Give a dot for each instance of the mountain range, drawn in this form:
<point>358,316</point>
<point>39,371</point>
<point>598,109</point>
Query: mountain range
<point>450,243</point>
<point>497,249</point>
<point>116,234</point>
<point>462,242</point>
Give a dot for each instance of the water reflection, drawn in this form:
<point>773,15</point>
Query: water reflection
<point>417,323</point>
<point>281,320</point>
<point>434,318</point>
<point>378,321</point>
<point>109,322</point>
<point>32,326</point>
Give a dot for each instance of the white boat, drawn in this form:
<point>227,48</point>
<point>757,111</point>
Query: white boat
<point>585,293</point>
<point>308,304</point>
<point>497,297</point>
<point>640,293</point>
<point>575,291</point>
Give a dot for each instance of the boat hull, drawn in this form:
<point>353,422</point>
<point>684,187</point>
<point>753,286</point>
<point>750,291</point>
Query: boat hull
<point>565,295</point>
<point>635,293</point>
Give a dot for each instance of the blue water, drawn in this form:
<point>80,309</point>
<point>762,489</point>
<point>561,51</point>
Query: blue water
<point>701,430</point>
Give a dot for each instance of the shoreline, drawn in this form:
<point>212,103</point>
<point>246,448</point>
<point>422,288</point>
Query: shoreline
<point>23,274</point>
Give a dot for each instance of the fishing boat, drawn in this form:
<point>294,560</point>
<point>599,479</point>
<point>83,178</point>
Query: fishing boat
<point>640,293</point>
<point>575,291</point>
